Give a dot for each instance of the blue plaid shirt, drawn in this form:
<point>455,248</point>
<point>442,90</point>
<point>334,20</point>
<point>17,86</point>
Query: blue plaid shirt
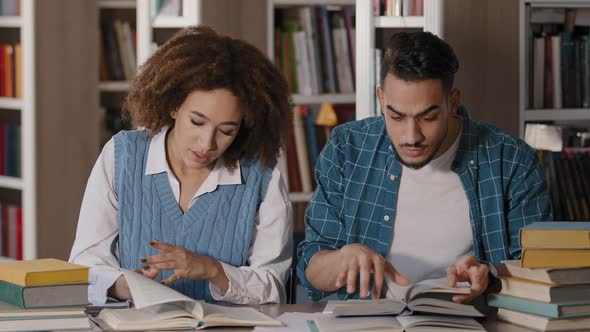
<point>356,195</point>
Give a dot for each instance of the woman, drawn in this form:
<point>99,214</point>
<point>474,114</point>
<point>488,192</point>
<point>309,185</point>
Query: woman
<point>194,199</point>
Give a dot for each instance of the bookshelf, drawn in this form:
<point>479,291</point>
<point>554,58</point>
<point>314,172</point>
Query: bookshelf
<point>529,30</point>
<point>554,89</point>
<point>371,32</point>
<point>19,188</point>
<point>315,95</point>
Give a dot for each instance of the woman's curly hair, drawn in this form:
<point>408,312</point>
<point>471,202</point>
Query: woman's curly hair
<point>198,58</point>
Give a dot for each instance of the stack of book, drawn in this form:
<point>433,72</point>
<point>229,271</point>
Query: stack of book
<point>549,288</point>
<point>43,293</point>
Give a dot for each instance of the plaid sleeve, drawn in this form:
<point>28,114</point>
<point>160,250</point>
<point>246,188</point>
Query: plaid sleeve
<point>528,199</point>
<point>324,228</point>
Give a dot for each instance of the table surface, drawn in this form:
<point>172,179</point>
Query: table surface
<point>491,324</point>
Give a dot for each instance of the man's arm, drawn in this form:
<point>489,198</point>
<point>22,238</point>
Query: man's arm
<point>527,198</point>
<point>326,262</point>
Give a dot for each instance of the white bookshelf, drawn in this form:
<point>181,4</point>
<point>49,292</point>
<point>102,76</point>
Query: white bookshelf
<point>366,25</point>
<point>564,115</point>
<point>26,184</point>
<point>10,22</point>
<point>147,23</point>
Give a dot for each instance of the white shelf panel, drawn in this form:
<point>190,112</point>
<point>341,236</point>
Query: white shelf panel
<point>117,4</point>
<point>557,114</point>
<point>11,182</point>
<point>10,22</point>
<point>11,103</point>
<point>335,98</point>
<point>286,3</point>
<point>113,86</point>
<point>170,22</point>
<point>400,22</point>
<point>299,197</point>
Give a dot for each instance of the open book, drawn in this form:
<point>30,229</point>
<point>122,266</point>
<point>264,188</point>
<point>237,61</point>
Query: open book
<point>431,296</point>
<point>414,323</point>
<point>159,307</point>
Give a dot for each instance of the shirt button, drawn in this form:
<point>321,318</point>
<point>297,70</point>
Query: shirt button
<point>471,162</point>
<point>392,177</point>
<point>386,218</point>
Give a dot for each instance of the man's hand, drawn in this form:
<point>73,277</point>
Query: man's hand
<point>356,259</point>
<point>185,264</point>
<point>467,268</point>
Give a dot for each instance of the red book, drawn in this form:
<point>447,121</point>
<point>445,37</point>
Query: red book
<point>19,232</point>
<point>292,167</point>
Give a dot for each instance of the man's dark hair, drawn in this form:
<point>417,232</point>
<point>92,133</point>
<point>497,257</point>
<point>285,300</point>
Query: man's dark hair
<point>417,56</point>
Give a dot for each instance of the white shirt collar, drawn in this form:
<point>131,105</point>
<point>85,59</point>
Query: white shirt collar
<point>157,163</point>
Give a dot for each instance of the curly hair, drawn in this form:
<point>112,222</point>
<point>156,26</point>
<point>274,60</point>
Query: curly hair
<point>198,58</point>
<point>414,56</point>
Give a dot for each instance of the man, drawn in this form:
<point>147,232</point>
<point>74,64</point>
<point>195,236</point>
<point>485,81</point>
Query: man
<point>420,192</point>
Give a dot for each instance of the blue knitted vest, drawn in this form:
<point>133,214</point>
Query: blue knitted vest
<point>219,224</point>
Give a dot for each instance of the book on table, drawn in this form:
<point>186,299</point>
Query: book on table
<point>159,307</point>
<point>556,235</point>
<point>550,310</point>
<point>44,296</point>
<point>13,318</point>
<point>542,292</point>
<point>562,276</point>
<point>428,296</point>
<point>42,272</point>
<point>541,323</point>
<point>413,323</point>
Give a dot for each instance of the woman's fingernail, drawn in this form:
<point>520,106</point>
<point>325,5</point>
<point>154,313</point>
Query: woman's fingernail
<point>146,267</point>
<point>152,242</point>
<point>143,260</point>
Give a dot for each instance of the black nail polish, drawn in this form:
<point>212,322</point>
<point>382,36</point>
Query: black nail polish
<point>146,267</point>
<point>143,260</point>
<point>152,243</point>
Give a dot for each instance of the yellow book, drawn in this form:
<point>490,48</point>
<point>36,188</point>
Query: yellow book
<point>42,272</point>
<point>555,258</point>
<point>556,235</point>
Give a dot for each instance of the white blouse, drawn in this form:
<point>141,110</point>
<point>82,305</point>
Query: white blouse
<point>269,261</point>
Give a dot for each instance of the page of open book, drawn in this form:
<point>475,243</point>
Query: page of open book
<point>440,321</point>
<point>147,292</point>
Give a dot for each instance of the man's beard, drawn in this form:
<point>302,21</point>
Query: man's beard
<point>419,165</point>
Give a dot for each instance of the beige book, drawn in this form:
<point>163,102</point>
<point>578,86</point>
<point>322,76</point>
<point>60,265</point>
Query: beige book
<point>561,276</point>
<point>158,307</point>
<point>541,323</point>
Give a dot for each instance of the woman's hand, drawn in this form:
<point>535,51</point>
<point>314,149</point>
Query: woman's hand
<point>185,264</point>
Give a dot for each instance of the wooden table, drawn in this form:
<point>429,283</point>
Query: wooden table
<point>490,323</point>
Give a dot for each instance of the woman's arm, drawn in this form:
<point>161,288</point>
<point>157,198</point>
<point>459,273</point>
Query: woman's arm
<point>97,229</point>
<point>263,281</point>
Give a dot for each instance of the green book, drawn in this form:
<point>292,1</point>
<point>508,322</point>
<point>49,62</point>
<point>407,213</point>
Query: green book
<point>551,310</point>
<point>44,296</point>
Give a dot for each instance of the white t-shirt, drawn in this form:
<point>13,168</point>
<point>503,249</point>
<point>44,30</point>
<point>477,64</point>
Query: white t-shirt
<point>431,228</point>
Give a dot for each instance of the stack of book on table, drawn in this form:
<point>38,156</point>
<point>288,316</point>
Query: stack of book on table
<point>43,294</point>
<point>549,288</point>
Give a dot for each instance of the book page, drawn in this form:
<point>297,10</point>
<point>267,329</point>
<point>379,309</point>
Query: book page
<point>368,307</point>
<point>147,292</point>
<point>153,317</point>
<point>350,324</point>
<point>215,315</point>
<point>439,322</point>
<point>440,285</point>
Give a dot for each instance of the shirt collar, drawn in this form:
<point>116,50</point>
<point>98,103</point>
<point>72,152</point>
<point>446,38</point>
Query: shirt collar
<point>157,163</point>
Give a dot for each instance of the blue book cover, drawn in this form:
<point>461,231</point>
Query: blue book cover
<point>551,310</point>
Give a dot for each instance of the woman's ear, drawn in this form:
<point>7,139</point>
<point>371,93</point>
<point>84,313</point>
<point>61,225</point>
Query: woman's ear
<point>173,114</point>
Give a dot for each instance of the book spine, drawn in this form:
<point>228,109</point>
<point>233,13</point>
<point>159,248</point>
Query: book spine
<point>11,293</point>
